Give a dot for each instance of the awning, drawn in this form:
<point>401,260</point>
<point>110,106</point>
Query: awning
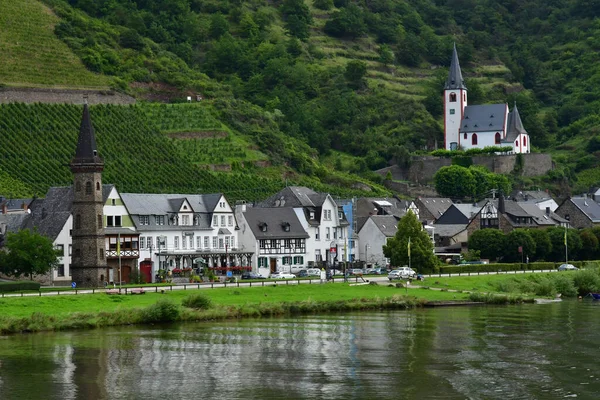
<point>224,231</point>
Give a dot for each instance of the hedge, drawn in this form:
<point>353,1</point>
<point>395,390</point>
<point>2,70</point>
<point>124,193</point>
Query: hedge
<point>18,286</point>
<point>455,269</point>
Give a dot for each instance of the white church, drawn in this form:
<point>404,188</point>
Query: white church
<point>467,127</point>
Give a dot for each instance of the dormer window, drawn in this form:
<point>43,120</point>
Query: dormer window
<point>312,215</point>
<point>263,227</point>
<point>286,226</point>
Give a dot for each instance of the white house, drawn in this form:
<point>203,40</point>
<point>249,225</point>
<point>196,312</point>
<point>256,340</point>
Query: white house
<point>186,231</point>
<point>275,236</point>
<point>374,233</point>
<point>478,126</point>
<point>319,215</point>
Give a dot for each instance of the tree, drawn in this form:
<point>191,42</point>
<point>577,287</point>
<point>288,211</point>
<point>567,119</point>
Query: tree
<point>516,239</point>
<point>489,242</point>
<point>421,252</point>
<point>543,246</point>
<point>28,253</point>
<point>454,181</point>
<point>297,18</point>
<point>589,243</point>
<point>355,73</point>
<point>557,238</point>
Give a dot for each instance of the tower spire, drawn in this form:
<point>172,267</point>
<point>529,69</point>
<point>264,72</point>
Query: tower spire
<point>515,125</point>
<point>455,79</point>
<point>86,151</point>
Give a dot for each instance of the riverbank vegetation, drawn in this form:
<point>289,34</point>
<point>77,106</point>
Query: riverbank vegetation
<point>31,314</point>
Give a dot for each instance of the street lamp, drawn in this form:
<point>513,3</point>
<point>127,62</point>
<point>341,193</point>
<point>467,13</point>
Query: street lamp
<point>367,247</point>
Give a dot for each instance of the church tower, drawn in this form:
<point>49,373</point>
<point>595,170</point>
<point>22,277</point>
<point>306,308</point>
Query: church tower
<point>455,101</point>
<point>88,266</point>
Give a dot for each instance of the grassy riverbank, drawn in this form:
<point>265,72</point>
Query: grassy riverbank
<point>31,314</point>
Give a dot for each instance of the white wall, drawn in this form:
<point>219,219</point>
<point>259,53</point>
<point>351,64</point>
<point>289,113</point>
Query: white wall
<point>64,239</point>
<point>371,244</point>
<point>452,121</point>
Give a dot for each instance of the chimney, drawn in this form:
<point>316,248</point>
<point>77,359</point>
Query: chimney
<point>547,210</point>
<point>501,206</point>
<point>24,206</point>
<point>4,208</point>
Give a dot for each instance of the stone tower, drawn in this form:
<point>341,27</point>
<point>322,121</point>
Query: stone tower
<point>88,267</point>
<point>455,101</point>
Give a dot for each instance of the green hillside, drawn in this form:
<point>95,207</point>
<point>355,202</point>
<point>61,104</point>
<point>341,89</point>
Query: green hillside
<point>31,53</point>
<point>331,89</point>
<point>39,142</point>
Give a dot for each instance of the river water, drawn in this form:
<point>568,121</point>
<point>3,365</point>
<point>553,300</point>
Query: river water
<point>548,351</point>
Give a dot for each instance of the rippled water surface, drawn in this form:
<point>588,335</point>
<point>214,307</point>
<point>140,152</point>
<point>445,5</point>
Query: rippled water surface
<point>546,351</point>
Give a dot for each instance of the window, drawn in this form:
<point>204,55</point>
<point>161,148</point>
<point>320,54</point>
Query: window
<point>262,244</point>
<point>298,260</point>
<point>215,243</point>
<point>183,243</point>
<point>227,242</point>
<point>142,242</point>
<point>286,260</point>
<point>158,243</point>
<point>262,262</point>
<point>312,215</point>
<point>198,242</point>
<point>113,202</point>
<point>185,220</point>
<point>335,233</point>
<point>287,243</point>
<point>317,233</point>
<point>274,243</point>
<point>221,243</point>
<point>176,242</point>
<point>99,221</point>
<point>452,97</point>
<point>215,220</point>
<point>318,255</point>
<point>159,219</point>
<point>233,242</point>
<point>101,251</point>
<point>230,220</point>
<point>327,234</point>
<point>144,220</point>
<point>524,141</point>
<point>516,143</point>
<point>97,185</point>
<point>474,139</point>
<point>88,187</point>
<point>60,249</point>
<point>465,136</point>
<point>117,220</point>
<point>70,249</point>
<point>61,270</point>
<point>206,242</point>
<point>110,221</point>
<point>222,220</point>
<point>452,111</point>
<point>497,138</point>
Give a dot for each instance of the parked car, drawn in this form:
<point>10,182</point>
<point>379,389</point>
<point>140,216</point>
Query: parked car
<point>567,267</point>
<point>402,273</point>
<point>282,275</point>
<point>302,273</point>
<point>313,272</point>
<point>356,271</point>
<point>376,271</point>
<point>252,275</point>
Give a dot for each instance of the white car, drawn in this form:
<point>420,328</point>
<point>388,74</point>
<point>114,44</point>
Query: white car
<point>313,272</point>
<point>402,273</point>
<point>282,275</point>
<point>567,267</point>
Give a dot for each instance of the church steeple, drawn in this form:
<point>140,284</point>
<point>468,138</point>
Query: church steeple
<point>86,152</point>
<point>515,125</point>
<point>455,79</point>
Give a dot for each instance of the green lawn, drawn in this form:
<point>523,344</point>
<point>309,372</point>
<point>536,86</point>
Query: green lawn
<point>94,303</point>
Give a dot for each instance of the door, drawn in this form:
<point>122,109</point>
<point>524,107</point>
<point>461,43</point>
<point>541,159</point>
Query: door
<point>273,264</point>
<point>146,271</point>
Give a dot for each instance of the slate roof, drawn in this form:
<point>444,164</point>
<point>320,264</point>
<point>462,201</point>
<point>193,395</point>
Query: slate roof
<point>387,224</point>
<point>294,196</point>
<point>435,205</point>
<point>529,195</point>
<point>86,151</point>
<point>367,206</point>
<point>14,204</point>
<point>483,118</point>
<point>163,204</point>
<point>449,230</point>
<point>540,217</point>
<point>455,79</point>
<point>514,126</point>
<point>275,218</point>
<point>589,207</point>
<point>469,210</point>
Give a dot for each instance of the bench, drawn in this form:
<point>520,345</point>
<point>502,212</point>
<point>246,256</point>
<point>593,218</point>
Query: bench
<point>112,291</point>
<point>137,291</point>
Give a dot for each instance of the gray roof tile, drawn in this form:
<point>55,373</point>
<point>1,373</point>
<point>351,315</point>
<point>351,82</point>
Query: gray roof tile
<point>483,118</point>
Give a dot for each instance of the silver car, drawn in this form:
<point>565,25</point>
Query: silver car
<point>402,273</point>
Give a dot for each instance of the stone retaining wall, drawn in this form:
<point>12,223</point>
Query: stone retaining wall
<point>69,96</point>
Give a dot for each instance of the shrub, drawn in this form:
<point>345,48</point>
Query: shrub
<point>586,281</point>
<point>18,286</point>
<point>197,301</point>
<point>162,311</point>
<point>564,285</point>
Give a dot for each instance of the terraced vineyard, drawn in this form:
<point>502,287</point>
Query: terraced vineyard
<point>32,55</point>
<point>198,134</point>
<point>39,141</point>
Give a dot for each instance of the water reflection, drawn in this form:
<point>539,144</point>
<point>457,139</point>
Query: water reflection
<point>530,351</point>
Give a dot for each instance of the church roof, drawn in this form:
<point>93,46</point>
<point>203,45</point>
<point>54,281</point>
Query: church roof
<point>455,79</point>
<point>514,126</point>
<point>484,118</point>
<point>87,151</point>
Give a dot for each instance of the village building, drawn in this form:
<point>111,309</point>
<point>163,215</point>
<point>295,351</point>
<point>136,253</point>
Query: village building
<point>581,212</point>
<point>478,126</point>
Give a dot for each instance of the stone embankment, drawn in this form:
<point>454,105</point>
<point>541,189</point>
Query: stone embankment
<point>61,96</point>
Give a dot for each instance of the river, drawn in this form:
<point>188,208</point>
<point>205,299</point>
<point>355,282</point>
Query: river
<point>547,351</point>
